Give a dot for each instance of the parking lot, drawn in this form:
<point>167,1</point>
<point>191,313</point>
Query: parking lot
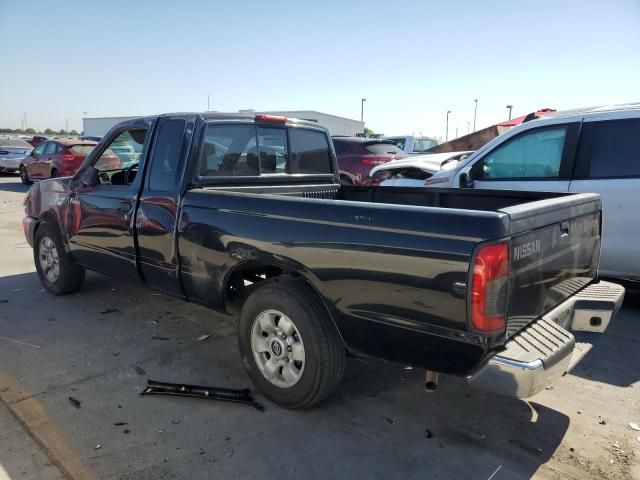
<point>100,346</point>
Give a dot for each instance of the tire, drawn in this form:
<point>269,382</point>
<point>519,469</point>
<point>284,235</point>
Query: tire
<point>290,304</point>
<point>48,251</point>
<point>24,176</point>
<point>54,173</point>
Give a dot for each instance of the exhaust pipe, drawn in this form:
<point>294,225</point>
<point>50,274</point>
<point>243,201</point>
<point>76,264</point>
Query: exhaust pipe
<point>431,381</point>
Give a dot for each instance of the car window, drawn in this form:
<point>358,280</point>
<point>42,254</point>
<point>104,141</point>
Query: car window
<point>398,142</point>
<point>310,152</point>
<point>274,150</point>
<point>383,148</point>
<point>39,150</point>
<point>82,149</point>
<point>51,148</point>
<point>229,150</point>
<point>118,162</point>
<point>535,154</point>
<point>340,147</point>
<point>424,144</point>
<point>610,149</point>
<point>166,154</point>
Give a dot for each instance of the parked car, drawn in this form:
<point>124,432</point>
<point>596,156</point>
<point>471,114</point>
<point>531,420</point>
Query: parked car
<point>413,145</point>
<point>588,150</point>
<point>90,137</point>
<point>37,140</point>
<point>12,154</point>
<point>414,170</point>
<point>61,158</point>
<point>484,284</point>
<point>358,155</point>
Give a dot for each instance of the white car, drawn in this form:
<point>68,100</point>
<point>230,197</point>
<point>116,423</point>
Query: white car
<point>12,154</point>
<point>412,145</point>
<point>588,150</point>
<point>414,170</point>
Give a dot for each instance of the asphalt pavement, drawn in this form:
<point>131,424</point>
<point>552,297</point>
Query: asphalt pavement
<point>72,369</point>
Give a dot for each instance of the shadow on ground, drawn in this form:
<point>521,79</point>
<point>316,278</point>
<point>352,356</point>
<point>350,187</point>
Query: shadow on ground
<point>381,423</point>
<point>16,186</point>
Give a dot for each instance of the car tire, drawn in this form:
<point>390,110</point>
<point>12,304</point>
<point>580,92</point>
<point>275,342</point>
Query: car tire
<point>304,344</point>
<point>24,176</point>
<point>58,271</point>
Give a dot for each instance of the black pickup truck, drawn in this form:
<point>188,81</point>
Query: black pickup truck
<point>246,214</point>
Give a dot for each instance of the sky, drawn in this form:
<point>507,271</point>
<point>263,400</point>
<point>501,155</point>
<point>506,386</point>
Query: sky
<point>412,60</point>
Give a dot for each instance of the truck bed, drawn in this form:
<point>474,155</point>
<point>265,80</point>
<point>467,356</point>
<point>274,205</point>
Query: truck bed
<point>389,260</point>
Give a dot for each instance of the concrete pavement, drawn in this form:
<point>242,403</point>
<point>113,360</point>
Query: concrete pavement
<point>100,346</point>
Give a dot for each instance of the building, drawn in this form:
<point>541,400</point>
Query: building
<point>99,126</point>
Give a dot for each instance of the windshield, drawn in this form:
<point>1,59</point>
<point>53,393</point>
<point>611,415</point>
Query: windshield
<point>423,144</point>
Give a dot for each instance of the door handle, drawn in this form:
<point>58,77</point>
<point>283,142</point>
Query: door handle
<point>564,229</point>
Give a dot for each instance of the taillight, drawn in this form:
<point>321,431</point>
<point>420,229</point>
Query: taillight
<point>490,288</point>
<point>67,157</point>
<point>373,160</point>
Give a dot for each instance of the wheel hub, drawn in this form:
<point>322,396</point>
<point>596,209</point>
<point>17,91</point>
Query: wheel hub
<point>277,348</point>
<point>49,261</point>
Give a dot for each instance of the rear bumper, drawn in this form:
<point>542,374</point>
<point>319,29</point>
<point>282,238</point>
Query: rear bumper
<point>542,352</point>
<point>10,164</point>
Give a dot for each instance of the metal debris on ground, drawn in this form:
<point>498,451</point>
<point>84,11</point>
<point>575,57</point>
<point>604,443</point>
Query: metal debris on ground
<point>110,310</point>
<point>98,447</point>
<point>389,420</point>
<point>494,473</point>
<point>427,433</point>
<point>203,337</point>
<point>139,370</point>
<point>159,337</point>
<point>634,426</point>
<point>76,403</point>
<point>197,391</point>
<point>19,342</point>
<point>602,422</point>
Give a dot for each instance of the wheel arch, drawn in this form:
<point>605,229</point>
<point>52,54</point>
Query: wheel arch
<point>270,272</point>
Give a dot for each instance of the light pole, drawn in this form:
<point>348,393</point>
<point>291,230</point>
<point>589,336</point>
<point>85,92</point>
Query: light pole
<point>362,109</point>
<point>475,111</point>
<point>509,107</point>
<point>446,134</point>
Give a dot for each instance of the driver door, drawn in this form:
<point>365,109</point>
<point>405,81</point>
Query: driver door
<point>101,217</point>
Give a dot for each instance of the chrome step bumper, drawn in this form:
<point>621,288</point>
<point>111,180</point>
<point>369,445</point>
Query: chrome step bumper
<point>538,355</point>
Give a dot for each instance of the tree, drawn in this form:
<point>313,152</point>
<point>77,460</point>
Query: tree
<point>30,131</point>
<point>62,132</point>
<point>73,132</point>
<point>368,132</point>
<point>48,131</point>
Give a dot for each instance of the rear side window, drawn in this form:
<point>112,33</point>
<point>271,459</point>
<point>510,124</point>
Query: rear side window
<point>82,149</point>
<point>166,155</point>
<point>229,151</point>
<point>340,147</point>
<point>51,148</point>
<point>309,151</point>
<point>610,149</point>
<point>383,149</point>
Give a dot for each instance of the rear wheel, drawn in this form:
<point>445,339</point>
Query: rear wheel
<point>24,176</point>
<point>58,271</point>
<point>289,344</point>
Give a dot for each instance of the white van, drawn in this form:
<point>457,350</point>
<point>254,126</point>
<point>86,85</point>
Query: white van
<point>590,150</point>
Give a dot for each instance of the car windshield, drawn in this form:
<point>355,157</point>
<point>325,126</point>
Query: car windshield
<point>424,143</point>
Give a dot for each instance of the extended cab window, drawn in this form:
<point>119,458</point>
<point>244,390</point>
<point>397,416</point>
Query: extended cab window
<point>249,150</point>
<point>535,154</point>
<point>609,150</point>
<point>166,155</point>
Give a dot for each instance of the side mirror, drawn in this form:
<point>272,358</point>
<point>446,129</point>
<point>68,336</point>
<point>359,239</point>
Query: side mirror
<point>466,179</point>
<point>89,177</point>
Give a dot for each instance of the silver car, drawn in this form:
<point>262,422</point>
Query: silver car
<point>12,153</point>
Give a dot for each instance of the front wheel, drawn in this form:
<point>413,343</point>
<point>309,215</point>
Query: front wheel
<point>58,271</point>
<point>24,176</point>
<point>289,344</point>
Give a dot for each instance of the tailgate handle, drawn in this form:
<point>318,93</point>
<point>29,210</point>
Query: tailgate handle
<point>564,229</point>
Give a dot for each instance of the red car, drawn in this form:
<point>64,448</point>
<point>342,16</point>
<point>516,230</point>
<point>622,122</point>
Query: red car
<point>358,155</point>
<point>61,158</point>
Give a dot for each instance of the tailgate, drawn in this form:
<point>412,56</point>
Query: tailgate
<point>553,259</point>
